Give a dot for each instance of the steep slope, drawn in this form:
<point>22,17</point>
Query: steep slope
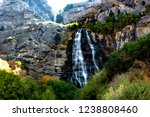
<point>39,8</point>
<point>126,71</point>
<point>26,36</point>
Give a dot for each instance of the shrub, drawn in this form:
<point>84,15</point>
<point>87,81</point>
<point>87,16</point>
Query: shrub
<point>113,23</point>
<point>48,94</point>
<point>121,60</point>
<point>61,89</point>
<point>147,9</point>
<point>72,26</point>
<point>12,87</point>
<point>138,90</point>
<point>118,62</point>
<point>95,86</point>
<point>30,88</point>
<point>129,85</point>
<point>68,6</point>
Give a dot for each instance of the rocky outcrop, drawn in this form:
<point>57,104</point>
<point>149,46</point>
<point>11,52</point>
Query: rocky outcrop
<point>127,34</point>
<point>103,46</point>
<point>33,44</point>
<point>26,9</point>
<point>27,37</point>
<point>98,10</point>
<point>41,8</point>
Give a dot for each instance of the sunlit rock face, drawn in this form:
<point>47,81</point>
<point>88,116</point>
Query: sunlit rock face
<point>143,26</point>
<point>100,9</point>
<point>39,8</point>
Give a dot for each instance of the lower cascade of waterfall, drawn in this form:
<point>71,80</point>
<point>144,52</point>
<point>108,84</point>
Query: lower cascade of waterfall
<point>84,63</point>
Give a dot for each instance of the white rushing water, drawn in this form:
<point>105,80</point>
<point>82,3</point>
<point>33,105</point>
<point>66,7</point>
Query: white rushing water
<point>79,66</point>
<point>92,50</point>
<point>55,17</point>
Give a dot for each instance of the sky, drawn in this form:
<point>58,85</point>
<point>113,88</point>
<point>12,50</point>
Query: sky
<point>60,4</point>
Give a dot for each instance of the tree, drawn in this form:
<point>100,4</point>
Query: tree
<point>68,6</point>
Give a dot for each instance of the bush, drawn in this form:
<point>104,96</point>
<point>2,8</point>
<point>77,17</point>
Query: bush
<point>48,94</point>
<point>59,18</point>
<point>72,26</point>
<point>118,62</point>
<point>126,90</point>
<point>68,6</point>
<point>113,23</point>
<point>121,60</point>
<point>61,89</point>
<point>139,90</point>
<point>12,87</point>
<point>95,86</point>
<point>147,9</point>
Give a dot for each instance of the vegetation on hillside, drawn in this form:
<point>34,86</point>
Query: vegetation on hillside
<point>147,11</point>
<point>113,23</point>
<point>68,7</point>
<point>72,26</point>
<point>119,63</point>
<point>19,88</point>
<point>126,75</point>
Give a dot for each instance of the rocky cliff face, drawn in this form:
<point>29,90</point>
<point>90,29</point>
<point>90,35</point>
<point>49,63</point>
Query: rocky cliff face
<point>103,46</point>
<point>98,10</point>
<point>30,8</point>
<point>27,37</point>
<point>41,8</point>
<point>32,44</point>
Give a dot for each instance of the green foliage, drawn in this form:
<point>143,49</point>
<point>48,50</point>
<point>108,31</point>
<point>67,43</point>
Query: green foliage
<point>99,87</point>
<point>68,6</point>
<point>59,18</point>
<point>48,94</point>
<point>118,62</point>
<point>122,59</point>
<point>148,9</point>
<point>12,87</point>
<point>124,87</point>
<point>139,90</point>
<point>89,25</point>
<point>62,90</point>
<point>113,23</point>
<point>95,86</point>
<point>72,26</point>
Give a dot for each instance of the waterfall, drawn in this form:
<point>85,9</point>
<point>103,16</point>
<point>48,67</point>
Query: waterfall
<point>79,74</point>
<point>84,62</point>
<point>55,17</point>
<point>92,50</point>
